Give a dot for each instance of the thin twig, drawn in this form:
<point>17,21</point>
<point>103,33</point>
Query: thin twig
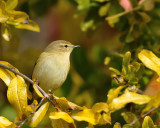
<point>122,13</point>
<point>145,114</point>
<point>39,104</point>
<point>29,80</point>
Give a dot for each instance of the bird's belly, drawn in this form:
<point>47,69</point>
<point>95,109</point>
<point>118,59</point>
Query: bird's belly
<point>51,75</point>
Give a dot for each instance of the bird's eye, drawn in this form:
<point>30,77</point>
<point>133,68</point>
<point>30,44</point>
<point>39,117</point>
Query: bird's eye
<point>66,46</point>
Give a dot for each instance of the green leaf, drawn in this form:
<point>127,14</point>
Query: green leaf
<point>126,63</point>
<point>103,11</point>
<point>131,72</point>
<point>85,25</point>
<point>114,13</point>
<point>129,118</point>
<point>114,70</point>
<point>145,17</point>
<point>147,123</point>
<point>128,97</point>
<point>101,1</point>
<point>113,21</point>
<point>11,4</point>
<point>83,4</point>
<point>117,125</point>
<point>148,5</point>
<point>129,38</point>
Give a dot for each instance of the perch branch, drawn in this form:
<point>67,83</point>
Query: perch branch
<point>29,80</point>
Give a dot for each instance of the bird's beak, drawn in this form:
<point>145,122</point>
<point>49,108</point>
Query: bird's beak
<point>75,46</point>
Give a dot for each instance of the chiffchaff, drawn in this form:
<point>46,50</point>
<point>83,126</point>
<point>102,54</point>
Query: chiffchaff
<point>53,65</point>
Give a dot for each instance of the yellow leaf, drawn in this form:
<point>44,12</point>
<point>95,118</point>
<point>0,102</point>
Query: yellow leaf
<point>29,94</point>
<point>104,119</point>
<point>87,115</point>
<point>5,31</point>
<point>31,25</point>
<point>107,60</point>
<point>114,93</point>
<point>5,74</point>
<point>155,101</point>
<point>38,115</point>
<point>32,107</point>
<point>11,4</point>
<point>3,13</point>
<point>150,60</point>
<point>61,115</point>
<point>103,116</point>
<point>98,115</point>
<point>59,123</point>
<point>148,123</point>
<point>37,90</point>
<point>99,107</point>
<point>117,125</point>
<point>5,123</point>
<point>17,17</point>
<point>17,95</point>
<point>66,105</point>
<point>128,97</point>
<point>90,126</point>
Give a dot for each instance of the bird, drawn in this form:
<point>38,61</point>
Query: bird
<point>53,65</point>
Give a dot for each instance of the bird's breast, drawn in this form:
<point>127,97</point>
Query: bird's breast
<point>51,71</point>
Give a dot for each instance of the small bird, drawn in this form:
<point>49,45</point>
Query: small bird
<point>53,65</point>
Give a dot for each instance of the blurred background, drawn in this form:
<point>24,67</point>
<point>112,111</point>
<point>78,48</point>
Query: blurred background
<point>89,79</point>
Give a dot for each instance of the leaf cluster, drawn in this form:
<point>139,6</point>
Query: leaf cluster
<point>20,20</point>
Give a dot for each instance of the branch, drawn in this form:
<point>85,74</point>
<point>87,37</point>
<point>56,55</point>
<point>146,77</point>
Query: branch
<point>39,104</point>
<point>145,114</point>
<point>29,80</point>
<point>122,13</point>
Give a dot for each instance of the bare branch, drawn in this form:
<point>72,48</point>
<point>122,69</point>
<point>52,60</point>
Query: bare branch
<point>145,114</point>
<point>122,13</point>
<point>39,104</point>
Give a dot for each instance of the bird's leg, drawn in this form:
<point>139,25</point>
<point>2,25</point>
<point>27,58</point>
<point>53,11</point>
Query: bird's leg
<point>51,94</point>
<point>35,81</point>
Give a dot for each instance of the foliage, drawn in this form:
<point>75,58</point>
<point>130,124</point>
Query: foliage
<point>16,18</point>
<point>135,25</point>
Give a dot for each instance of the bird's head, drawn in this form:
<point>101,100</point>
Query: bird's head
<point>60,46</point>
